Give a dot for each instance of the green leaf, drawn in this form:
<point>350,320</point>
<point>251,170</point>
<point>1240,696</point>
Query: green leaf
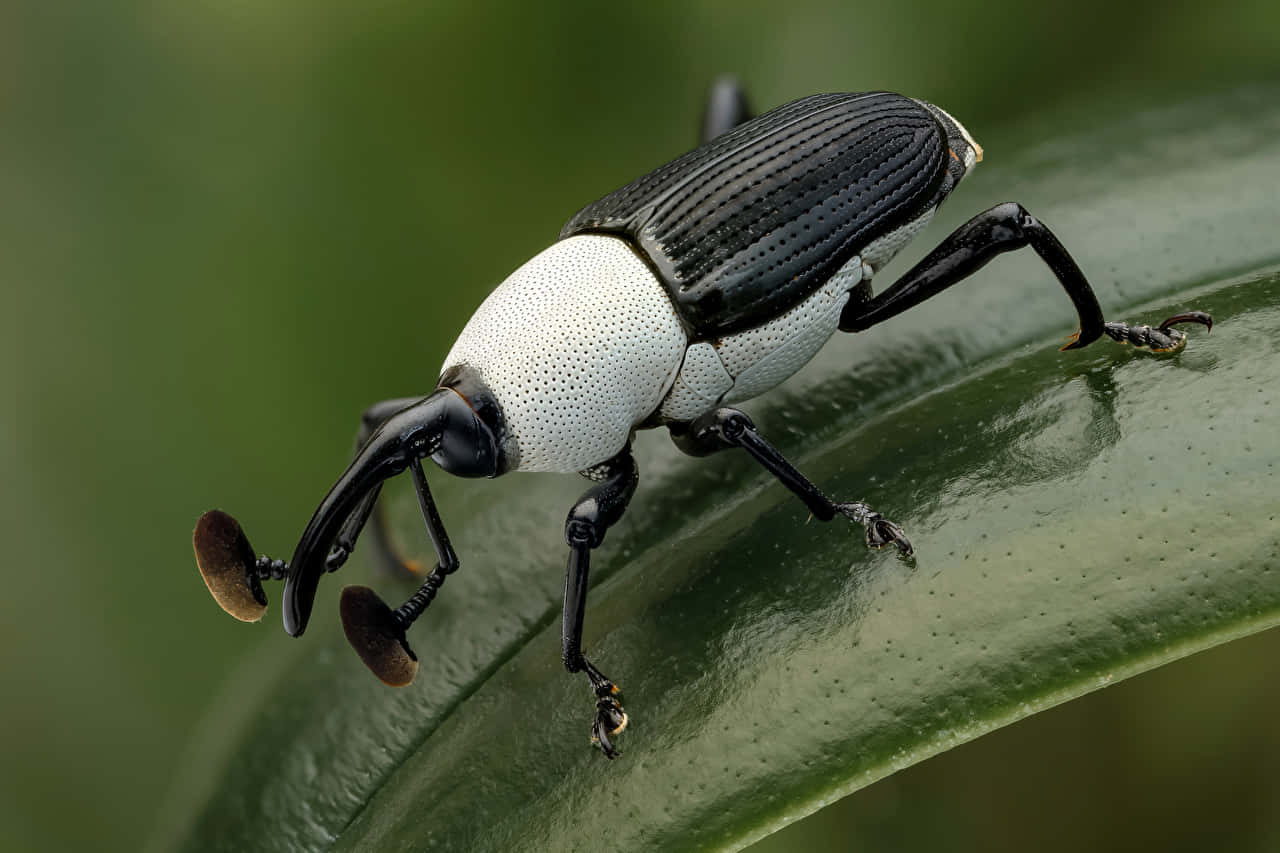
<point>1078,518</point>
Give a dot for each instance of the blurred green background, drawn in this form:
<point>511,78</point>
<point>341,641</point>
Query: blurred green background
<point>229,226</point>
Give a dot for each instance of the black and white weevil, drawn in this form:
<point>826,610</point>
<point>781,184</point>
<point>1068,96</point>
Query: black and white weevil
<point>704,283</point>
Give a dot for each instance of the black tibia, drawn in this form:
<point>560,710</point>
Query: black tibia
<point>1004,228</point>
<point>724,428</point>
<point>446,559</point>
<point>372,418</point>
<point>377,632</point>
<point>727,107</point>
<point>584,530</point>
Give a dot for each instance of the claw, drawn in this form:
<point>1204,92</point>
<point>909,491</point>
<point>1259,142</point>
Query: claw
<point>880,530</point>
<point>610,720</point>
<point>227,564</point>
<point>1188,317</point>
<point>600,740</point>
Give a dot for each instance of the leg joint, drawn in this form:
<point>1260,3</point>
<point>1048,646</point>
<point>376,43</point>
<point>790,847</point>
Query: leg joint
<point>583,528</point>
<point>1011,225</point>
<point>727,425</point>
<point>572,659</point>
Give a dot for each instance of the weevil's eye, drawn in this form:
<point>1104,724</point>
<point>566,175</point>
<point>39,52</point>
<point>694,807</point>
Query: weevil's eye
<point>470,444</point>
<point>226,562</point>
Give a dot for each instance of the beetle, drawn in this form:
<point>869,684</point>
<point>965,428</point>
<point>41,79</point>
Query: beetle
<point>701,284</point>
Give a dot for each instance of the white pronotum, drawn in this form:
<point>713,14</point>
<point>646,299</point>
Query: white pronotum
<point>582,344</point>
<point>578,346</point>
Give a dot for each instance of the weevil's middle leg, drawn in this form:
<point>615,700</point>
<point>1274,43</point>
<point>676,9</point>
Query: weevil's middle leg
<point>725,428</point>
<point>727,107</point>
<point>1004,228</point>
<point>584,530</point>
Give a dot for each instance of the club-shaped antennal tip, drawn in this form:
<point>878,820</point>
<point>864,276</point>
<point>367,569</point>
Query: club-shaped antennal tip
<point>226,562</point>
<point>372,631</point>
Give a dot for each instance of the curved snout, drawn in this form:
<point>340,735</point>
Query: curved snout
<point>443,426</point>
<point>381,458</point>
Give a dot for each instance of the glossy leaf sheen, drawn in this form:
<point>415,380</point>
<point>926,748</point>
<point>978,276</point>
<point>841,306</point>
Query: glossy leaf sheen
<point>1078,517</point>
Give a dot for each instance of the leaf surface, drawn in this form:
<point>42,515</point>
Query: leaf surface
<point>1078,518</point>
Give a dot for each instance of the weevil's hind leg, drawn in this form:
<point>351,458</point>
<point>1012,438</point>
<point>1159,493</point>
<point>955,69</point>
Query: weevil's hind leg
<point>374,630</point>
<point>1004,228</point>
<point>724,428</point>
<point>727,107</point>
<point>368,511</point>
<point>584,530</point>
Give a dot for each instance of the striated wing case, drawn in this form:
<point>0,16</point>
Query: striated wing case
<point>748,225</point>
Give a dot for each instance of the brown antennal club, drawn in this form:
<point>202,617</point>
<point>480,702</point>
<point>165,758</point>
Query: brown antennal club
<point>228,566</point>
<point>377,636</point>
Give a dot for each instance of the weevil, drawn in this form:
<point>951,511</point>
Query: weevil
<point>702,284</point>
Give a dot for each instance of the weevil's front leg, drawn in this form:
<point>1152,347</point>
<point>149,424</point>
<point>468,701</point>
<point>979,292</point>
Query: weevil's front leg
<point>724,428</point>
<point>374,630</point>
<point>1004,228</point>
<point>727,107</point>
<point>584,530</point>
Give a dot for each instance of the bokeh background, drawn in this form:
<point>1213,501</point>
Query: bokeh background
<point>227,226</point>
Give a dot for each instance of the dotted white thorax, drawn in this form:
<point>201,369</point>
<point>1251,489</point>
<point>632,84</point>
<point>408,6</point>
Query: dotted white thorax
<point>582,344</point>
<point>578,346</point>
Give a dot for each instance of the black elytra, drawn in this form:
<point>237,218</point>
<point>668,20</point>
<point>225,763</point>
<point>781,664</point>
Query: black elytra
<point>738,231</point>
<point>748,225</point>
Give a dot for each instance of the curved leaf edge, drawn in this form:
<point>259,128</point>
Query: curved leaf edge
<point>234,709</point>
<point>1112,672</point>
<point>957,737</point>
